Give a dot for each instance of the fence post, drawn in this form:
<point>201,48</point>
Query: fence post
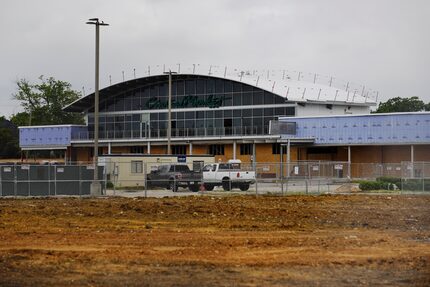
<point>422,175</point>
<point>145,178</point>
<point>256,180</point>
<point>80,180</point>
<point>15,183</point>
<point>49,180</point>
<point>28,180</point>
<point>1,181</point>
<point>114,180</point>
<point>306,184</point>
<point>55,180</point>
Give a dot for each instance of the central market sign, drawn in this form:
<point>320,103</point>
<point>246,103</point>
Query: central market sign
<point>187,102</point>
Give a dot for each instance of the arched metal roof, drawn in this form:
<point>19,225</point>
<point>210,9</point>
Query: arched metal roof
<point>292,85</point>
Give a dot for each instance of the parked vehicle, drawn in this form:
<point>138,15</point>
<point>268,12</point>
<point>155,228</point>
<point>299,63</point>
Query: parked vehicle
<point>172,176</point>
<point>228,175</point>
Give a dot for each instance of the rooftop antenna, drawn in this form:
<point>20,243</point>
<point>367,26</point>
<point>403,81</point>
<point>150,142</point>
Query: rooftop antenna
<point>194,68</point>
<point>110,80</point>
<point>335,96</point>
<point>347,86</point>
<point>362,91</point>
<point>83,91</point>
<point>283,75</point>
<point>288,90</point>
<point>210,70</point>
<point>149,70</point>
<point>134,72</point>
<point>347,97</point>
<point>273,86</point>
<point>164,68</point>
<point>179,68</point>
<point>123,78</point>
<point>315,78</point>
<point>331,81</point>
<point>225,71</point>
<point>304,92</point>
<point>241,75</point>
<point>258,78</point>
<point>353,97</point>
<point>319,94</point>
<point>298,78</point>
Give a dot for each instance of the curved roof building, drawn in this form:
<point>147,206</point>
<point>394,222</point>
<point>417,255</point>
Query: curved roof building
<point>214,110</point>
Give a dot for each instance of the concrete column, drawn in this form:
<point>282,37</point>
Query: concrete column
<point>412,161</point>
<point>191,148</point>
<point>254,155</point>
<point>234,149</point>
<point>288,157</point>
<point>109,148</point>
<point>412,154</point>
<point>148,148</point>
<point>349,161</point>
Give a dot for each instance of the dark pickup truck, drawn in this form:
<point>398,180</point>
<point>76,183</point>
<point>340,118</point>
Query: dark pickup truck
<point>172,176</point>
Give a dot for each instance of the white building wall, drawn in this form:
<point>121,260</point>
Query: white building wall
<point>321,110</point>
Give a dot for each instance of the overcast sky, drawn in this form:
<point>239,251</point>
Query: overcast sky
<point>383,44</point>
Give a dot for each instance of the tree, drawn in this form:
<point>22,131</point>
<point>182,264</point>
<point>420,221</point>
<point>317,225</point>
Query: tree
<point>396,105</point>
<point>8,139</point>
<point>43,102</point>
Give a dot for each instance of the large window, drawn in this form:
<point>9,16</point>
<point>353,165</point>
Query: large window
<point>276,148</point>
<point>137,149</point>
<point>136,166</point>
<point>246,149</point>
<point>216,149</point>
<point>179,149</point>
<point>189,93</point>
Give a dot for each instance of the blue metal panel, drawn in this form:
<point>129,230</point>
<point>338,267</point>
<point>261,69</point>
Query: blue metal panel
<point>367,129</point>
<point>47,136</point>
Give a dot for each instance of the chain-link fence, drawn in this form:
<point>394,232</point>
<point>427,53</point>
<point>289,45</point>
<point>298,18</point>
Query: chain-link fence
<point>48,180</point>
<point>164,178</point>
<point>415,176</point>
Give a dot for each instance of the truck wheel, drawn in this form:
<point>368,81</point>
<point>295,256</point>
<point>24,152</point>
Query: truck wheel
<point>193,187</point>
<point>173,186</point>
<point>226,184</point>
<point>244,186</point>
<point>209,187</point>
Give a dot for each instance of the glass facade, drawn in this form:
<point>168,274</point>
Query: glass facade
<point>201,106</point>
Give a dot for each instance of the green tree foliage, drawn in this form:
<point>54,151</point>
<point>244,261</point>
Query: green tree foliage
<point>43,103</point>
<point>20,119</point>
<point>8,139</point>
<point>396,105</point>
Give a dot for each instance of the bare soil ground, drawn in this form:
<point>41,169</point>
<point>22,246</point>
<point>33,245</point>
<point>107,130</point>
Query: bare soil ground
<point>327,240</point>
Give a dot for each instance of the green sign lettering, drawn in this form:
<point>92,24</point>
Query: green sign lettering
<point>187,102</point>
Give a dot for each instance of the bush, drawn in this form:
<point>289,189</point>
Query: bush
<point>376,185</point>
<point>393,180</point>
<point>369,185</point>
<point>109,184</point>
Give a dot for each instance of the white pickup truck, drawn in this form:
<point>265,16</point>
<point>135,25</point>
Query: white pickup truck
<point>228,175</point>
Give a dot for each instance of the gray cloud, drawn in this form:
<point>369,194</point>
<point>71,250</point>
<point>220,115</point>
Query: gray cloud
<point>383,44</point>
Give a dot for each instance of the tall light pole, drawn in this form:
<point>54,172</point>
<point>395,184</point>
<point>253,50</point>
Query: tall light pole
<point>169,113</point>
<point>95,185</point>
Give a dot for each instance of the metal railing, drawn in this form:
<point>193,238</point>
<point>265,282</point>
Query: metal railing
<point>176,133</point>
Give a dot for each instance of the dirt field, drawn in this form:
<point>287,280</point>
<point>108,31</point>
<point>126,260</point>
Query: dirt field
<point>210,241</point>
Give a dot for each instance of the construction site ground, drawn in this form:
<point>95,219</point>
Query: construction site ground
<point>298,240</point>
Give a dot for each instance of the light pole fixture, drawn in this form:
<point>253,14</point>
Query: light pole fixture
<point>95,185</point>
<point>169,113</point>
